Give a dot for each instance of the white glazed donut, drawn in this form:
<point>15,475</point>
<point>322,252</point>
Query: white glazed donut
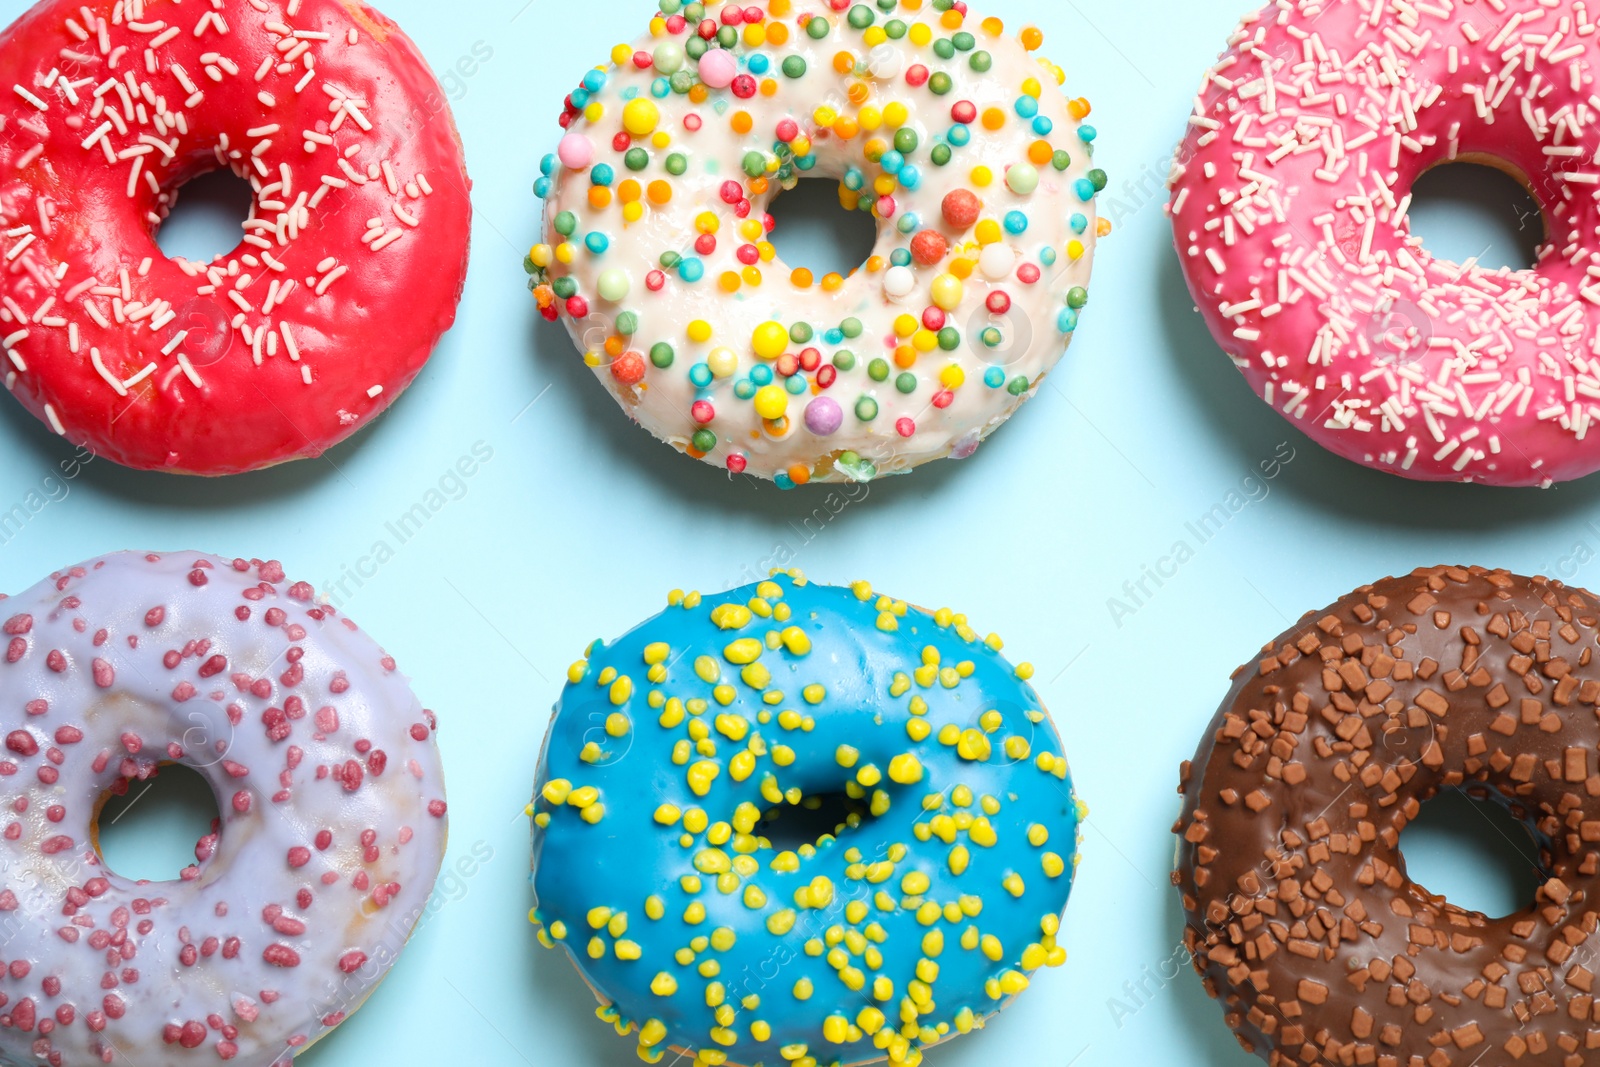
<point>328,782</point>
<point>978,172</point>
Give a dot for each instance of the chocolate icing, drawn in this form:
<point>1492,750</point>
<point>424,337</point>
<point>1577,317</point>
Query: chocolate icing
<point>1298,912</point>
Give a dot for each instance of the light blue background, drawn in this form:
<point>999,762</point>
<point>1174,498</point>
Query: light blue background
<point>581,523</point>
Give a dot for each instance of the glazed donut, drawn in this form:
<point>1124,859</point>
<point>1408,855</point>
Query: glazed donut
<point>1290,211</point>
<point>1299,913</point>
<point>915,918</point>
<point>351,263</point>
<point>328,782</point>
<point>950,136</point>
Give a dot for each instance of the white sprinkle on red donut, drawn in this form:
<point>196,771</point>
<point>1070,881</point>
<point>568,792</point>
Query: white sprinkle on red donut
<point>351,262</point>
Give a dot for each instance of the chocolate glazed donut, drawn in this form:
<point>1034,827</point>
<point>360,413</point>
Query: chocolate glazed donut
<point>1299,915</point>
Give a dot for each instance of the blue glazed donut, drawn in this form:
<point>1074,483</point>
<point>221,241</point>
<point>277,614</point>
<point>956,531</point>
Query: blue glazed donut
<point>677,755</point>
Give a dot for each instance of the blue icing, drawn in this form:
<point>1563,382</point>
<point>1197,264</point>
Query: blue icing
<point>673,746</point>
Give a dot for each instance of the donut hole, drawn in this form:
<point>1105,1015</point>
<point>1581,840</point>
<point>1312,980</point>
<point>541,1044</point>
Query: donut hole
<point>789,826</point>
<point>147,830</point>
<point>207,216</point>
<point>1473,852</point>
<point>811,229</point>
<point>1477,209</point>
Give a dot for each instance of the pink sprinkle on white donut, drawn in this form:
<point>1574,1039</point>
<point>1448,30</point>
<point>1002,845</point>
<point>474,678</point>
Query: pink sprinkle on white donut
<point>575,151</point>
<point>274,933</point>
<point>718,68</point>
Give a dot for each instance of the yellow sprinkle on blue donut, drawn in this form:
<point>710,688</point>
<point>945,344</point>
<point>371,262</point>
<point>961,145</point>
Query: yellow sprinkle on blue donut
<point>827,827</point>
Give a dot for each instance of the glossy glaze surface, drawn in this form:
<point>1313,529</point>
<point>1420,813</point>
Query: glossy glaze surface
<point>351,264</point>
<point>943,128</point>
<point>677,749</point>
<point>1290,211</point>
<point>1299,914</point>
<point>327,780</point>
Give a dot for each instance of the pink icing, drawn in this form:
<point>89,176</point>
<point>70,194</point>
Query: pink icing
<point>326,774</point>
<point>1289,213</point>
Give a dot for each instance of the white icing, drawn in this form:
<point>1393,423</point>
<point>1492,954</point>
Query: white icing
<point>1031,340</point>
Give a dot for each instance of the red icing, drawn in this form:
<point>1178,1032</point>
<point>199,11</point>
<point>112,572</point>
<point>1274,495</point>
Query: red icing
<point>374,326</point>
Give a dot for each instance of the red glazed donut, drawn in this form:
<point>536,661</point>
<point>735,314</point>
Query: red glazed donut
<point>351,265</point>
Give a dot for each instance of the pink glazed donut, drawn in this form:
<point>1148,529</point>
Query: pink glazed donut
<point>1289,207</point>
<point>326,774</point>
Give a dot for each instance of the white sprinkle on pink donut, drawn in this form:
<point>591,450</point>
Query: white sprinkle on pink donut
<point>1290,209</point>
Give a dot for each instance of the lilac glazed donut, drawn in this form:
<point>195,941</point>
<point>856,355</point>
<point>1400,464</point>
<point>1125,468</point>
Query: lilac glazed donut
<point>326,775</point>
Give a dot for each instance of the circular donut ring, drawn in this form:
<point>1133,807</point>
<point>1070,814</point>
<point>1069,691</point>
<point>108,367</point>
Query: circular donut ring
<point>950,135</point>
<point>326,776</point>
<point>1290,212</point>
<point>1299,914</point>
<point>351,263</point>
<point>679,748</point>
